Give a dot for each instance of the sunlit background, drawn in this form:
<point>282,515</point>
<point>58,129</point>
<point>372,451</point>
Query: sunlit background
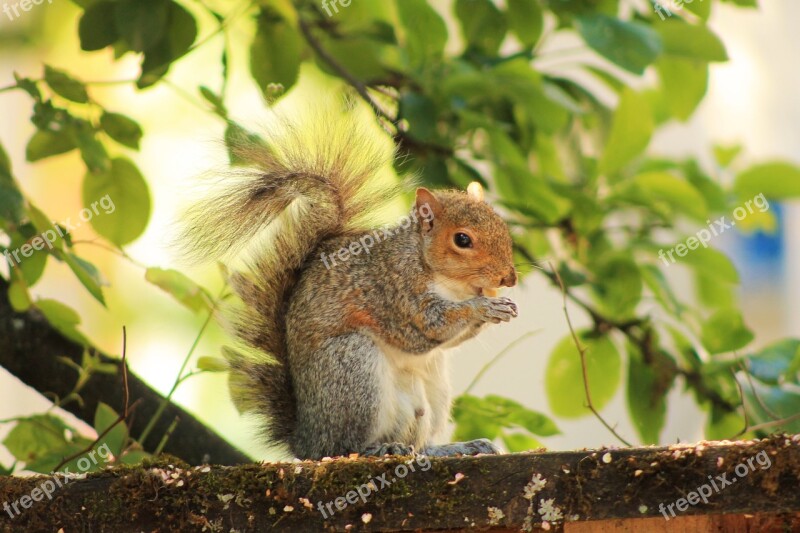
<point>752,100</point>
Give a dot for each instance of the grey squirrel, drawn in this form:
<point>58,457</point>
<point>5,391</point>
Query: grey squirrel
<point>343,329</point>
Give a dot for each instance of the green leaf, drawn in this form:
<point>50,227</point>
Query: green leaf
<point>29,253</point>
<point>483,25</point>
<point>87,274</point>
<point>36,436</point>
<point>237,137</point>
<point>777,180</point>
<point>128,196</point>
<point>725,332</point>
<point>276,51</point>
<point>117,438</point>
<point>691,41</point>
<point>631,45</point>
<point>743,3</point>
<point>648,385</point>
<point>97,27</point>
<point>684,83</point>
<point>716,197</point>
<point>18,295</point>
<point>485,417</point>
<point>774,362</point>
<point>618,287</point>
<point>661,289</point>
<point>420,112</point>
<point>513,414</point>
<point>180,287</point>
<point>564,375</point>
<point>178,39</point>
<point>711,262</point>
<point>215,100</point>
<point>45,143</point>
<point>45,227</point>
<point>680,195</point>
<point>93,152</point>
<point>525,19</point>
<point>519,442</point>
<point>539,101</point>
<point>425,31</point>
<point>122,129</point>
<point>781,401</point>
<point>702,9</point>
<point>713,292</point>
<point>63,318</point>
<point>142,24</point>
<point>5,166</point>
<point>11,201</point>
<point>724,425</point>
<point>65,86</point>
<point>134,457</point>
<point>725,155</point>
<point>631,129</point>
<point>520,188</point>
<point>47,463</point>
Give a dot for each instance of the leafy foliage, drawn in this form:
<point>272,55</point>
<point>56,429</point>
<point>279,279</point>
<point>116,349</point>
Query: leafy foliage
<point>467,102</point>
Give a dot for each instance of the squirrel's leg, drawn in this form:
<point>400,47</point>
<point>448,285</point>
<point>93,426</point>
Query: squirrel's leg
<point>340,391</point>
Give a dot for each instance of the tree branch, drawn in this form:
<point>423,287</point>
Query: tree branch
<point>29,347</point>
<point>604,489</point>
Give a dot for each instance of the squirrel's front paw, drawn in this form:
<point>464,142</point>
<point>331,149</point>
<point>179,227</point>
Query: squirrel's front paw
<point>496,309</point>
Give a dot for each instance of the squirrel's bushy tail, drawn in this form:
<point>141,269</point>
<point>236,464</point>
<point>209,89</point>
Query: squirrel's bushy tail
<point>311,178</point>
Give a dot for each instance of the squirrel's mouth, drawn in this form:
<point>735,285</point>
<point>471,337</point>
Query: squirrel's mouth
<point>486,291</point>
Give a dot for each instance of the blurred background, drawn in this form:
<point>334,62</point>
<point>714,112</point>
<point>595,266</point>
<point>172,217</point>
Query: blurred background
<point>752,100</point>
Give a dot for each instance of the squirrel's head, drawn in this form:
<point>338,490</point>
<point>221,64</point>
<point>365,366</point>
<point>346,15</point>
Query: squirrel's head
<point>468,245</point>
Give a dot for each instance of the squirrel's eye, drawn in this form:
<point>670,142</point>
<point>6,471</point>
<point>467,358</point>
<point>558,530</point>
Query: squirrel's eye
<point>462,240</point>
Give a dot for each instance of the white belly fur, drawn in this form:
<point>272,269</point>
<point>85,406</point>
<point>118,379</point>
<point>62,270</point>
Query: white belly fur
<point>413,384</point>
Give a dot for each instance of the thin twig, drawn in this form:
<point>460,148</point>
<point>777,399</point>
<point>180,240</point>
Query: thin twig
<point>497,357</point>
<point>166,400</point>
<point>744,408</point>
<point>125,409</point>
<point>582,352</point>
<point>167,435</point>
<point>342,72</point>
<point>221,28</point>
<point>118,251</point>
<point>775,423</point>
<point>763,405</point>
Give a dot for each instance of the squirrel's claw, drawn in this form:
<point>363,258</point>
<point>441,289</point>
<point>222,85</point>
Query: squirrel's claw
<point>496,309</point>
<point>388,448</point>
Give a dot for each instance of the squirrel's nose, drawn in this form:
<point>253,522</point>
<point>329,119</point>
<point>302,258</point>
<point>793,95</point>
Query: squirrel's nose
<point>510,280</point>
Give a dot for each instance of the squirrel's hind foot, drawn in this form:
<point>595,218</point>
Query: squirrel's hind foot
<point>472,447</point>
<point>388,448</point>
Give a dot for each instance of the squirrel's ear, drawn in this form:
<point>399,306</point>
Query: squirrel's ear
<point>428,206</point>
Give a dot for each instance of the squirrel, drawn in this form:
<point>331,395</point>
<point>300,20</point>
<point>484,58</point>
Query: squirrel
<point>342,329</point>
